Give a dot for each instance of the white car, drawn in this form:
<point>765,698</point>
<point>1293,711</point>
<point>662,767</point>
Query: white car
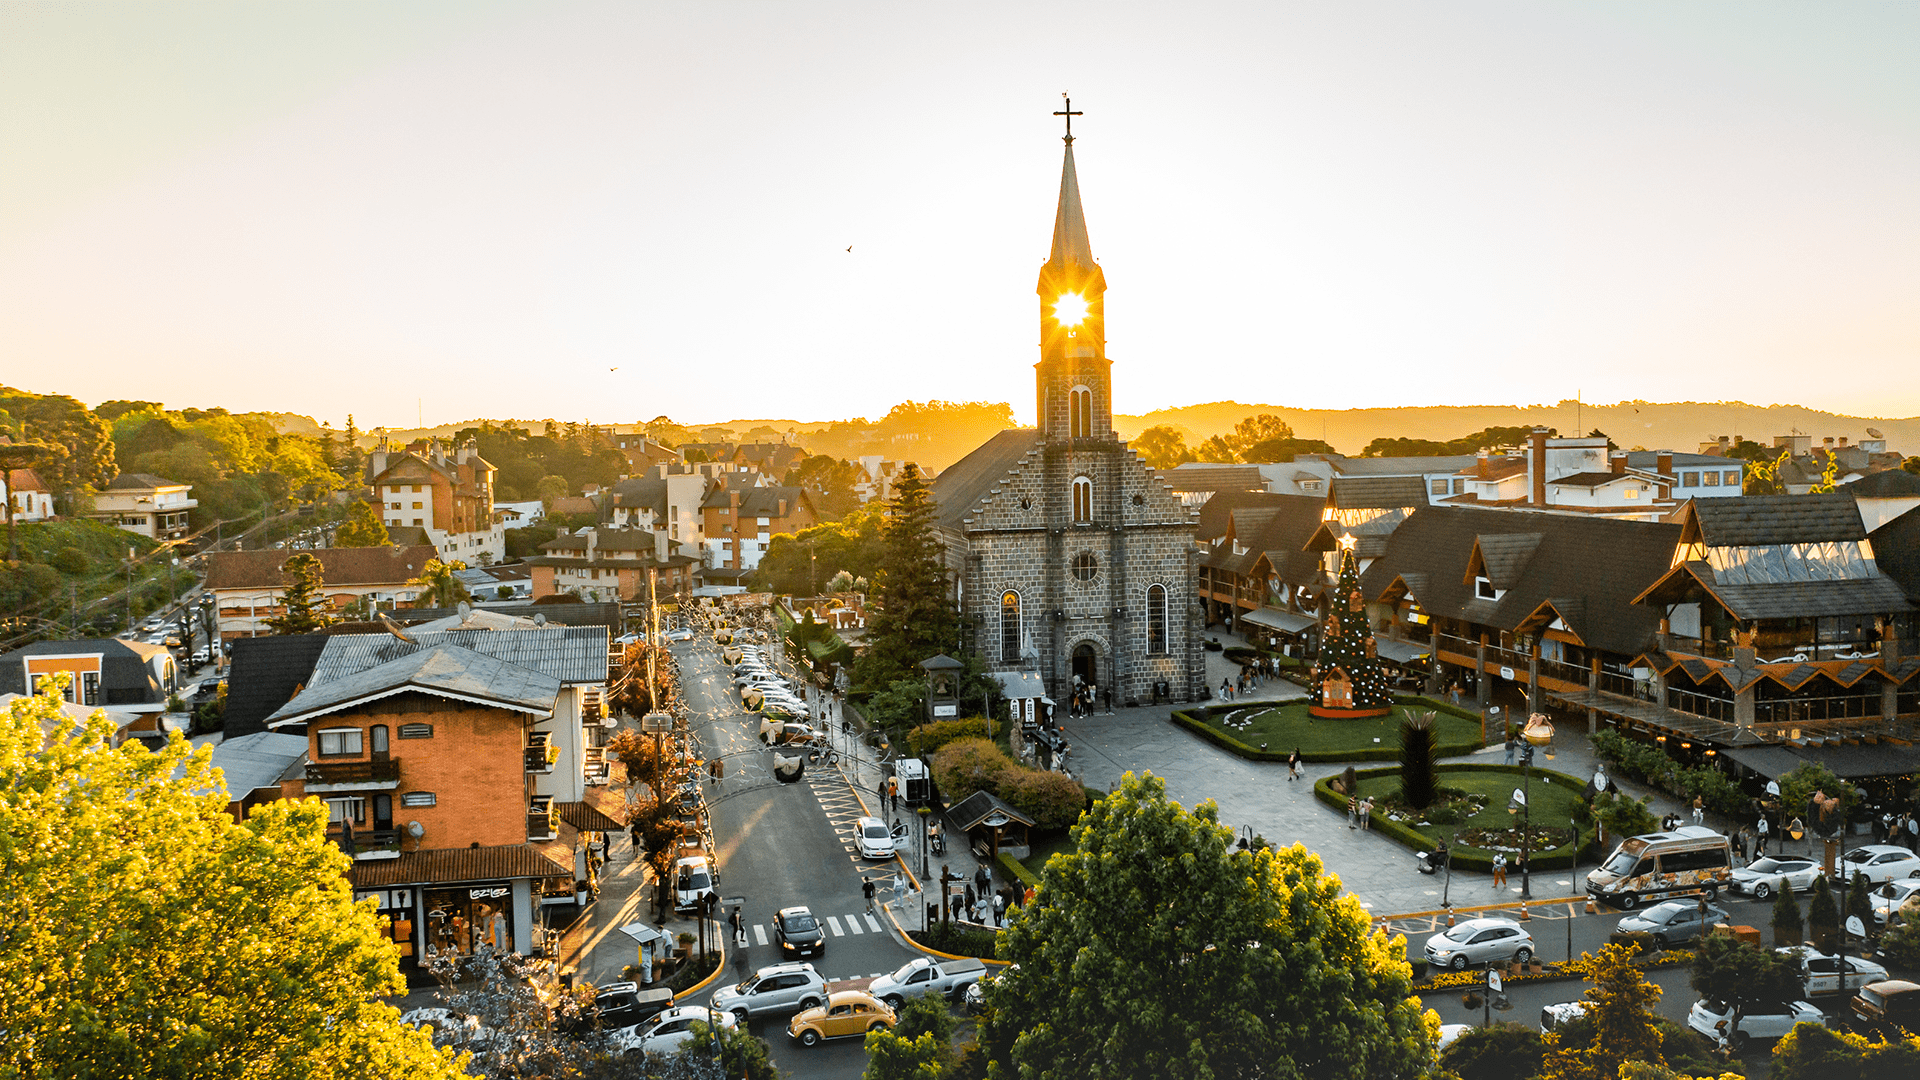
<point>682,634</point>
<point>1888,898</point>
<point>1821,973</point>
<point>1478,941</point>
<point>1450,1034</point>
<point>1761,878</point>
<point>1879,863</point>
<point>1761,1021</point>
<point>669,1031</point>
<point>1553,1017</point>
<point>875,841</point>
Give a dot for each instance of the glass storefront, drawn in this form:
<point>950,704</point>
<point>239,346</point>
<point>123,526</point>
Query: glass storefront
<point>466,917</point>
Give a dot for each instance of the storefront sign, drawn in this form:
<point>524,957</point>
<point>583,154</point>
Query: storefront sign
<point>946,710</point>
<point>1506,673</point>
<point>488,892</point>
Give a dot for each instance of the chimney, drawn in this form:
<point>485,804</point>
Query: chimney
<point>377,461</point>
<point>1537,465</point>
<point>1480,464</point>
<point>1617,463</point>
<point>1737,440</point>
<point>1828,442</point>
<point>1843,442</point>
<point>1723,442</point>
<point>1663,464</point>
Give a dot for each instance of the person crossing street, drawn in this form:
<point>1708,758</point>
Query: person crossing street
<point>866,889</point>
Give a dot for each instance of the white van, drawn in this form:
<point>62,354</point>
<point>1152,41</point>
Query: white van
<point>1689,860</point>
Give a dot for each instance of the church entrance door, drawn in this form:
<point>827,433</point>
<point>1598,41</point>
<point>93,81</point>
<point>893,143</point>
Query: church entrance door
<point>1086,665</point>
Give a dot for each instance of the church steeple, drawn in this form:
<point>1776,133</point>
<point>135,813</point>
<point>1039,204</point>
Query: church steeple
<point>1073,397</point>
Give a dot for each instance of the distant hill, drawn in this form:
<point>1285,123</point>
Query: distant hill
<point>1680,426</point>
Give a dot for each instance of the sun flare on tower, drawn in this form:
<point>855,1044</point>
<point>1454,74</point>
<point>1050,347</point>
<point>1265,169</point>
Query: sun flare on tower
<point>1070,309</point>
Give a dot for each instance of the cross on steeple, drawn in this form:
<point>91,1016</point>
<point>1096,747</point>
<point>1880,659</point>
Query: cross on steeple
<point>1069,113</point>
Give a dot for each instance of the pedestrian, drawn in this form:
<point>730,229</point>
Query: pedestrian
<point>893,792</point>
<point>1760,837</point>
<point>1511,746</point>
<point>1454,687</point>
<point>740,927</point>
<point>1353,811</point>
<point>866,890</point>
<point>1737,839</point>
<point>1699,810</point>
<point>972,898</point>
<point>983,879</point>
<point>1226,690</point>
<point>1913,833</point>
<point>1293,765</point>
<point>1366,813</point>
<point>1499,870</point>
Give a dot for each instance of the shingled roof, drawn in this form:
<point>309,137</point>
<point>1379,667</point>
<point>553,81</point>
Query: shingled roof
<point>439,670</point>
<point>1377,492</point>
<point>568,653</point>
<point>1217,512</point>
<point>1750,520</point>
<point>1217,478</point>
<point>1588,570</point>
<point>263,674</point>
<point>964,483</point>
<point>385,565</point>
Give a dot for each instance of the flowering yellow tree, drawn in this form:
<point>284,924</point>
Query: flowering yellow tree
<point>145,932</point>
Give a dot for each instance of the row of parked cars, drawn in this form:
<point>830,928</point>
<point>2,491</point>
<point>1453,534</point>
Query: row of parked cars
<point>830,1010</point>
<point>763,689</point>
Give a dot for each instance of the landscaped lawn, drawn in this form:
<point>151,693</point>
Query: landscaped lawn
<point>1286,727</point>
<point>1553,797</point>
<point>1044,846</point>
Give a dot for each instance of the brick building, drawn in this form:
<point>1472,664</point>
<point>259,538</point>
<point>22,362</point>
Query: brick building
<point>449,495</point>
<point>247,585</point>
<point>742,513</point>
<point>1071,558</point>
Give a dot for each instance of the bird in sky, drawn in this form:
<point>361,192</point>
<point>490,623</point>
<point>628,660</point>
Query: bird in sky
<point>613,369</point>
<point>849,247</point>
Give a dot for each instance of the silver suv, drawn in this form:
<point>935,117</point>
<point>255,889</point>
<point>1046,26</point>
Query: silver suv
<point>780,988</point>
<point>1477,941</point>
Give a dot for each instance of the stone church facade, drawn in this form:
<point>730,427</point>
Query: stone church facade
<point>1071,558</point>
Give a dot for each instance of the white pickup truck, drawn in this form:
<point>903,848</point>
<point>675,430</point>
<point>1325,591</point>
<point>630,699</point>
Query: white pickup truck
<point>925,976</point>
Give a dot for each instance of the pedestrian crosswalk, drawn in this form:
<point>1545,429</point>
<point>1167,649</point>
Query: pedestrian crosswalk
<point>853,925</point>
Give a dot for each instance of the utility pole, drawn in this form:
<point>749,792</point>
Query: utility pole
<point>129,588</point>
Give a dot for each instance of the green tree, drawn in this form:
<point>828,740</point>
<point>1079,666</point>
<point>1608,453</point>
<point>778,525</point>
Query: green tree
<point>363,527</point>
<point>797,564</point>
<point>920,1045</point>
<point>1729,970</point>
<point>1504,1051</point>
<point>736,1051</point>
<point>1162,446</point>
<point>552,489</point>
<point>1154,949</point>
<point>1417,782</point>
<point>438,587</point>
<point>305,607</point>
<point>1620,1008</point>
<point>912,617</point>
<point>1788,927</point>
<point>1812,1052</point>
<point>1809,793</point>
<point>150,934</point>
<point>1860,900</point>
<point>1347,664</point>
<point>1621,815</point>
<point>61,421</point>
<point>1823,916</point>
<point>829,480</point>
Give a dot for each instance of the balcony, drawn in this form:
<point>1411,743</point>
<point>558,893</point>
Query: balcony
<point>368,844</point>
<point>343,775</point>
<point>540,757</point>
<point>540,826</point>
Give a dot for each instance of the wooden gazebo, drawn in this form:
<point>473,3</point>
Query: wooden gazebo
<point>990,825</point>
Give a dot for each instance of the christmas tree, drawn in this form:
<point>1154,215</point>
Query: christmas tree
<point>1347,679</point>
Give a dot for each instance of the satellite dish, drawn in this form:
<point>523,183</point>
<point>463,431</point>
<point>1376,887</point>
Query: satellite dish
<point>465,609</point>
<point>1874,433</point>
<point>416,830</point>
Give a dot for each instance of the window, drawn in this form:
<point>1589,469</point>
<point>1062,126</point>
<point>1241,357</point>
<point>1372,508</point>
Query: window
<point>379,738</point>
<point>353,810</point>
<point>1010,628</point>
<point>417,798</point>
<point>1437,487</point>
<point>89,688</point>
<point>1630,493</point>
<point>1085,566</point>
<point>1692,479</point>
<point>340,742</point>
<point>1712,479</point>
<point>1733,478</point>
<point>1156,620</point>
<point>416,522</point>
<point>1483,588</point>
<point>1082,500</point>
<point>1080,413</point>
<point>1459,486</point>
<point>393,506</point>
<point>416,506</point>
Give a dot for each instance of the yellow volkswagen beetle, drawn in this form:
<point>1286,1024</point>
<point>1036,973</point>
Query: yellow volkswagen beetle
<point>849,1012</point>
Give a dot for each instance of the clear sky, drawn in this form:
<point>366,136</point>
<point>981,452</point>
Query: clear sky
<point>479,209</point>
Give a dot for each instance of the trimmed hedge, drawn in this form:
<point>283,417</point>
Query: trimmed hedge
<point>1384,752</point>
<point>967,765</point>
<point>1466,858</point>
<point>927,738</point>
<point>1013,866</point>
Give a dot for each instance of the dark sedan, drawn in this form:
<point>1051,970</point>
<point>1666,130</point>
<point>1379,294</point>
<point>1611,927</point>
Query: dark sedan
<point>798,933</point>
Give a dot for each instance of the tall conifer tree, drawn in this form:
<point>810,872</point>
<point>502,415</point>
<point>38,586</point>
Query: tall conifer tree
<point>912,616</point>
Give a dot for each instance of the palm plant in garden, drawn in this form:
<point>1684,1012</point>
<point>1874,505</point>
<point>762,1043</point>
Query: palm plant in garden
<point>1417,783</point>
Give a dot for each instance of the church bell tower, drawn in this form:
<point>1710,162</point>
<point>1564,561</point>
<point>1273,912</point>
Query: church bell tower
<point>1074,398</point>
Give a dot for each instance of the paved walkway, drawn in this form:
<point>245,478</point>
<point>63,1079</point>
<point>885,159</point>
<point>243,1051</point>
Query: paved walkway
<point>1381,872</point>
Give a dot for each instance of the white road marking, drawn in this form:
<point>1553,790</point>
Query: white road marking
<point>835,924</point>
<point>853,925</point>
<point>760,933</point>
<point>873,922</point>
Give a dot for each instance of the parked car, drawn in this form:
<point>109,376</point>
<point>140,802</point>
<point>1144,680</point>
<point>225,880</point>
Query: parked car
<point>1553,1017</point>
<point>671,1030</point>
<point>1762,877</point>
<point>1888,898</point>
<point>1893,1003</point>
<point>875,841</point>
<point>1478,941</point>
<point>1821,973</point>
<point>682,634</point>
<point>1878,863</point>
<point>619,1005</point>
<point>798,933</point>
<point>948,978</point>
<point>449,1028</point>
<point>847,1013</point>
<point>773,989</point>
<point>1765,1020</point>
<point>1668,923</point>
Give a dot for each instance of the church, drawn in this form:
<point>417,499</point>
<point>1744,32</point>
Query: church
<point>1072,560</point>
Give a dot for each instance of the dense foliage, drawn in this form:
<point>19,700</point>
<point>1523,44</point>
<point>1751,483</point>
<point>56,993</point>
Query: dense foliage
<point>150,934</point>
<point>1620,1009</point>
<point>580,454</point>
<point>304,606</point>
<point>1729,970</point>
<point>801,564</point>
<point>967,765</point>
<point>1155,949</point>
<point>1485,439</point>
<point>911,617</point>
<point>1812,1052</point>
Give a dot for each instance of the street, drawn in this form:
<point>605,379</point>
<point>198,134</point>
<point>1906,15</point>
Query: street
<point>782,845</point>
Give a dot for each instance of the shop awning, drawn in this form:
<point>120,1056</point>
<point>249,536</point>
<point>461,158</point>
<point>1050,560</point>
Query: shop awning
<point>1847,762</point>
<point>586,817</point>
<point>446,865</point>
<point>1401,652</point>
<point>1287,622</point>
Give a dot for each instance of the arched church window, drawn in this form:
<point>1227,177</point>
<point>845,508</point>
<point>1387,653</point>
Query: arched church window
<point>1010,627</point>
<point>1156,620</point>
<point>1080,413</point>
<point>1085,566</point>
<point>1082,499</point>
